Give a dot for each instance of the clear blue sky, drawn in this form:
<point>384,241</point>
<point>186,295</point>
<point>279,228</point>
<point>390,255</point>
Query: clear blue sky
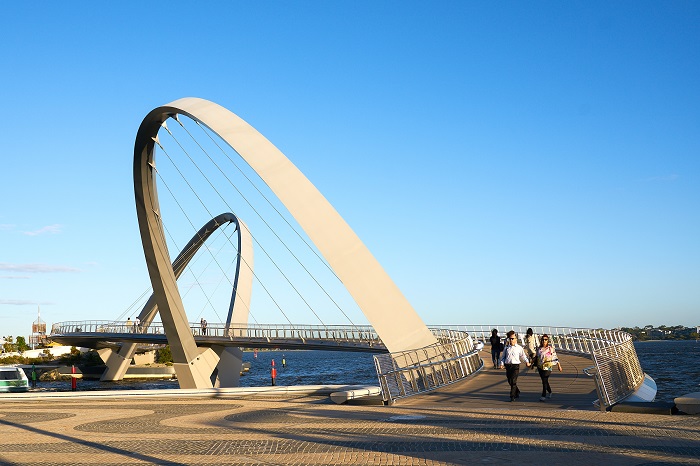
<point>509,162</point>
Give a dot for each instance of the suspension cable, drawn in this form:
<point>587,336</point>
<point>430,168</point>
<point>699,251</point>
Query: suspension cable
<point>261,217</point>
<point>192,224</point>
<point>176,245</point>
<point>229,207</point>
<point>233,162</point>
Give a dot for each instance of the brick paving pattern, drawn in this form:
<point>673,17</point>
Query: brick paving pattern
<point>465,423</point>
<point>312,430</point>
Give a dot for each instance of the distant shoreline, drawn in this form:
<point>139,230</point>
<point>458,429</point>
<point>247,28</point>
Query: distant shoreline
<point>660,341</point>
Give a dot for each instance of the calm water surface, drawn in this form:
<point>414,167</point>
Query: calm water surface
<point>302,368</point>
<point>672,364</point>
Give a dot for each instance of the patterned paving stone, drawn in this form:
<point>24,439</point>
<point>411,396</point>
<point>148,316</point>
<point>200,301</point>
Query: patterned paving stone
<point>312,431</point>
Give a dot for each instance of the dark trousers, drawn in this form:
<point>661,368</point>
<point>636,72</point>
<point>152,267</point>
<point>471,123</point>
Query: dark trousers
<point>495,356</point>
<point>512,372</point>
<point>544,375</point>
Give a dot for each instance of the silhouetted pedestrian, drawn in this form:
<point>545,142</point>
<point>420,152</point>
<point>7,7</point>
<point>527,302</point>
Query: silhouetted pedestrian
<point>496,347</point>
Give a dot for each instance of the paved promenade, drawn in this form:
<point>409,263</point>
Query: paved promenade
<point>446,427</point>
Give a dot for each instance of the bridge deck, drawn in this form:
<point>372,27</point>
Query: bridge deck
<point>572,389</point>
<point>114,340</point>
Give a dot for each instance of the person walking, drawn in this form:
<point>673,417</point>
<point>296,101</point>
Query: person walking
<point>513,355</point>
<point>546,360</point>
<point>137,325</point>
<point>129,325</point>
<point>496,347</point>
<point>530,345</point>
<point>203,325</point>
<point>33,376</point>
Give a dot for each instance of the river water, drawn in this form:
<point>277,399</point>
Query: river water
<point>672,364</point>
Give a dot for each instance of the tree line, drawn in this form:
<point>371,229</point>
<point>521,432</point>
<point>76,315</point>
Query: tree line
<point>662,332</point>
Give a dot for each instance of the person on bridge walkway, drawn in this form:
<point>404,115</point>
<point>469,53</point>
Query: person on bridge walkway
<point>513,354</point>
<point>203,325</point>
<point>496,347</point>
<point>530,345</point>
<point>546,360</point>
<point>129,325</point>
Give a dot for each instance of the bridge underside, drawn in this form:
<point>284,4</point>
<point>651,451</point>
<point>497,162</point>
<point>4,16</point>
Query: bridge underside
<point>117,340</point>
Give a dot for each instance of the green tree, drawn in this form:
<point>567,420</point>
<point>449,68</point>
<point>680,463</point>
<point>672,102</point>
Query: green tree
<point>22,345</point>
<point>73,357</point>
<point>164,356</point>
<point>9,345</point>
<point>92,358</point>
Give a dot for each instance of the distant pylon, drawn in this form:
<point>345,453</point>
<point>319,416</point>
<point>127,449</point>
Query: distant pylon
<point>38,329</point>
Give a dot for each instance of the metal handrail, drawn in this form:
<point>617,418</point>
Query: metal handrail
<point>358,334</point>
<point>618,373</point>
<point>407,373</point>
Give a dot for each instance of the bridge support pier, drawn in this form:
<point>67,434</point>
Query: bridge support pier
<point>117,362</point>
<point>229,367</point>
<point>197,372</point>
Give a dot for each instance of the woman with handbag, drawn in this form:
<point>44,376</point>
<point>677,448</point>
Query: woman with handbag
<point>546,360</point>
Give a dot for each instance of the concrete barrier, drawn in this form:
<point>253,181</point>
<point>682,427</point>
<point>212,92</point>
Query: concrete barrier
<point>689,404</point>
<point>360,395</point>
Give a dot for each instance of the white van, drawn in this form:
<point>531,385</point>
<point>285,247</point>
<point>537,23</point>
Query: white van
<point>13,379</point>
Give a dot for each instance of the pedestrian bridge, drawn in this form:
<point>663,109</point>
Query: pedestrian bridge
<point>615,367</point>
<point>294,254</point>
<point>98,334</point>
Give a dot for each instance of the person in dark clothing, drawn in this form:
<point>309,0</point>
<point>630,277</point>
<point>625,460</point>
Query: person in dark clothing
<point>496,347</point>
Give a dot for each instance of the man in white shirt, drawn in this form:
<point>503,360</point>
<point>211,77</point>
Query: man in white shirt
<point>513,354</point>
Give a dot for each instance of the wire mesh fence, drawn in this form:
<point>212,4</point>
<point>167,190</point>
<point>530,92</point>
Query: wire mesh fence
<point>408,373</point>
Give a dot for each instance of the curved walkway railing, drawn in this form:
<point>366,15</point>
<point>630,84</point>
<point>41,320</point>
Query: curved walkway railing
<point>407,373</point>
<point>617,370</point>
<point>618,373</point>
<point>360,334</point>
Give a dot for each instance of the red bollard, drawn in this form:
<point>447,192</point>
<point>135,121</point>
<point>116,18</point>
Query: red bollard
<point>73,379</point>
<point>273,373</point>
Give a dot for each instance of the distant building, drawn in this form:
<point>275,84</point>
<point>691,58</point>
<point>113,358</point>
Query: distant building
<point>38,336</point>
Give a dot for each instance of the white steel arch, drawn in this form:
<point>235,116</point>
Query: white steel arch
<point>389,312</point>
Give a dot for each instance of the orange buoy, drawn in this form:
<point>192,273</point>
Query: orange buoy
<point>273,373</point>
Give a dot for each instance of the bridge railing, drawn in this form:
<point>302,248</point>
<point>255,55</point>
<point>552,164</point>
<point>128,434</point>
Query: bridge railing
<point>618,372</point>
<point>360,334</point>
<point>344,333</point>
<point>407,373</point>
